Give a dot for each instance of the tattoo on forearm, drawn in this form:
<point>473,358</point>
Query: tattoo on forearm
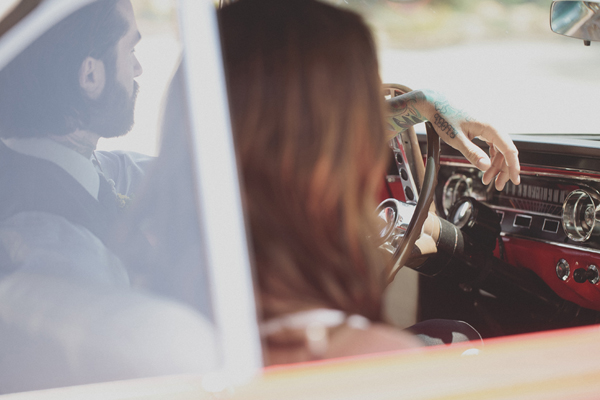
<point>404,111</point>
<point>444,125</point>
<point>446,114</point>
<point>406,121</point>
<point>444,108</point>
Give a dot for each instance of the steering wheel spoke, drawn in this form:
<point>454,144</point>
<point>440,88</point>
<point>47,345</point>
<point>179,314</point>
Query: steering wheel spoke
<point>398,236</point>
<point>405,163</point>
<point>407,152</point>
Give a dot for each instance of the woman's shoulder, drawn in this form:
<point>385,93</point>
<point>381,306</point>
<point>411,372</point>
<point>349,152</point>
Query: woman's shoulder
<point>376,338</point>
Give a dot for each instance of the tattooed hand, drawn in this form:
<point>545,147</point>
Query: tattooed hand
<point>458,129</point>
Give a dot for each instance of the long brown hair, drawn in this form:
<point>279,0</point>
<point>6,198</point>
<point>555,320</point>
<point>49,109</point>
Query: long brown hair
<point>307,116</point>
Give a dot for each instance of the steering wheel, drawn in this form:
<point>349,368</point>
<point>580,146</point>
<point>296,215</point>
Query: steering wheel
<point>404,249</point>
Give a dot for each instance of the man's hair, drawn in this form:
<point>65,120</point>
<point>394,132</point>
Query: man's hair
<point>307,114</point>
<point>40,93</point>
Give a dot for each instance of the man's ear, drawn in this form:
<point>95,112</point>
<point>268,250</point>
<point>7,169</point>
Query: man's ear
<point>92,77</point>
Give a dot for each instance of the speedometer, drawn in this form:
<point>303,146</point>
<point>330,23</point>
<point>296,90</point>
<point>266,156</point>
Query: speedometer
<point>460,185</point>
<point>455,188</point>
<point>581,211</point>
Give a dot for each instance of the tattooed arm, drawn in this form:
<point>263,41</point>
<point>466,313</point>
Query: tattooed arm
<point>458,129</point>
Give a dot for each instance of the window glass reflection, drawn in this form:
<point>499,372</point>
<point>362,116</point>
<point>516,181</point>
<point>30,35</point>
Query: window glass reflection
<point>101,270</point>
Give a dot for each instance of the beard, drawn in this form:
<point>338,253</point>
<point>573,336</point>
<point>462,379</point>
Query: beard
<point>112,113</point>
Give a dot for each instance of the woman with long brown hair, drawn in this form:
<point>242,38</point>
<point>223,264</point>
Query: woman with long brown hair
<point>308,120</point>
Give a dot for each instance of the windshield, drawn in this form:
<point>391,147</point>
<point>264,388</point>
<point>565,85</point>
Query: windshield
<point>497,58</point>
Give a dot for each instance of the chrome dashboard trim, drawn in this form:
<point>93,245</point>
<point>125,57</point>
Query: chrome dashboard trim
<point>563,245</point>
<point>538,173</point>
<point>527,217</point>
<point>458,164</point>
<point>554,175</point>
<point>563,269</point>
<point>517,210</point>
<point>544,229</point>
<point>571,174</point>
<point>595,280</point>
<point>501,213</point>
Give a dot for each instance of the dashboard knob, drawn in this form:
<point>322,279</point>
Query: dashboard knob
<point>590,274</point>
<point>580,275</point>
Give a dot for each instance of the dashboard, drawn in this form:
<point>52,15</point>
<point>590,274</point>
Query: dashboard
<point>550,223</point>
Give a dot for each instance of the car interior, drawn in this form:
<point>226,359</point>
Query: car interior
<point>530,253</point>
<point>521,260</point>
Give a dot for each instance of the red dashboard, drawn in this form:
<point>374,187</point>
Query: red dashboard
<point>550,223</point>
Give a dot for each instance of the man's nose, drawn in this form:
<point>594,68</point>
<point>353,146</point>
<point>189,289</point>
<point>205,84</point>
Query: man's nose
<point>137,68</point>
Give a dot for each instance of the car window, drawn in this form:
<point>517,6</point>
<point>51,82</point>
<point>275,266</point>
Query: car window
<point>498,58</point>
<point>104,258</point>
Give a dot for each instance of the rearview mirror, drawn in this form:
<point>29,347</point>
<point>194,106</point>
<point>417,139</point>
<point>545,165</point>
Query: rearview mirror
<point>577,19</point>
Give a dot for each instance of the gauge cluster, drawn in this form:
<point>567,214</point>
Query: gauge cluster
<point>548,205</point>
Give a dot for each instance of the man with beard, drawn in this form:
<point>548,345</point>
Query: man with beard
<point>67,313</point>
<point>69,88</point>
